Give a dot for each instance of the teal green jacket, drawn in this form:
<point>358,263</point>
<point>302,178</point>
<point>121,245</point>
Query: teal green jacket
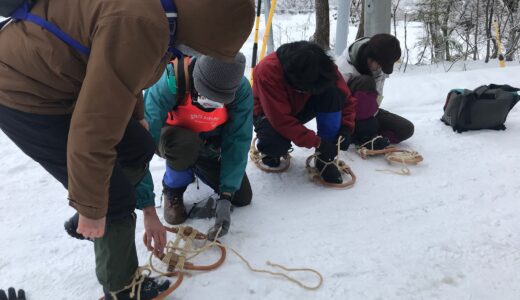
<point>235,134</point>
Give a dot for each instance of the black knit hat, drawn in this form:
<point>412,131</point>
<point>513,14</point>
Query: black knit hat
<point>385,49</point>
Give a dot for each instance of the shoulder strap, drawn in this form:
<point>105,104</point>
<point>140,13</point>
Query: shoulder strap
<point>171,14</point>
<point>23,13</point>
<point>182,76</point>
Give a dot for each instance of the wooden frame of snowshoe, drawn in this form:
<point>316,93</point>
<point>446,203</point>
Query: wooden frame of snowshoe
<point>256,158</point>
<point>393,154</point>
<point>187,232</point>
<point>314,174</point>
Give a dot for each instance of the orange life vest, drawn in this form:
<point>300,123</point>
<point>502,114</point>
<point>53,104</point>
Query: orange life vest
<point>190,116</point>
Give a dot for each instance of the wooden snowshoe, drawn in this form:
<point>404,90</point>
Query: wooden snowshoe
<point>314,173</point>
<point>392,153</point>
<point>256,158</point>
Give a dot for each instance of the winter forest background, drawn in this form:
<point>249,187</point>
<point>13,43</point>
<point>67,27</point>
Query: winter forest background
<point>431,31</point>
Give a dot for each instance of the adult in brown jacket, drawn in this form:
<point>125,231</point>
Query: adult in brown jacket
<point>79,116</point>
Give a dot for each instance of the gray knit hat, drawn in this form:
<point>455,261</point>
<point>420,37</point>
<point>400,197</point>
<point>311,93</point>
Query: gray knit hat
<point>217,80</point>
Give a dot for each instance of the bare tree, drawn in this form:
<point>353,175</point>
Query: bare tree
<point>477,16</point>
<point>407,51</point>
<point>361,27</point>
<point>395,7</point>
<point>322,34</point>
<point>489,23</point>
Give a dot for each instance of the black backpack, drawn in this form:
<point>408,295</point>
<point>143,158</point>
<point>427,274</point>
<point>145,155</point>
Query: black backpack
<point>486,107</point>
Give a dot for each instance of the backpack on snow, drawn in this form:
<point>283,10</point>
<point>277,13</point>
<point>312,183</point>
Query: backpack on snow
<point>486,107</point>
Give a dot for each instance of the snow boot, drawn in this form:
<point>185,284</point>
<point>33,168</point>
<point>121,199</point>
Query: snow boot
<point>271,162</point>
<point>376,143</point>
<point>329,172</point>
<point>174,211</point>
<point>150,288</point>
<point>71,226</point>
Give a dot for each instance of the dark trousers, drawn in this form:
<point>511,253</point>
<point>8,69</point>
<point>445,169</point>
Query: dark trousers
<point>271,143</point>
<point>44,139</point>
<point>385,123</point>
<point>182,150</point>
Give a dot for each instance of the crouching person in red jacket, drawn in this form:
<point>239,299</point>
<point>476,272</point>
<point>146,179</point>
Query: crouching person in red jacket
<point>295,84</point>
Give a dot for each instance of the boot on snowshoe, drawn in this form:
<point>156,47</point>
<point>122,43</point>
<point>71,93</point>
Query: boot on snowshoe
<point>271,162</point>
<point>150,288</point>
<point>376,143</point>
<point>174,210</point>
<point>329,172</point>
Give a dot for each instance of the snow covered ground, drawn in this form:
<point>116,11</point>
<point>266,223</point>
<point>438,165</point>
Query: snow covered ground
<point>448,231</point>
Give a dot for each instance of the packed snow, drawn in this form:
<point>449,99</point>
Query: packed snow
<point>450,230</point>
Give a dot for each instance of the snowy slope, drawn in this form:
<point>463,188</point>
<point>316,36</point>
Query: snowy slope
<point>448,231</point>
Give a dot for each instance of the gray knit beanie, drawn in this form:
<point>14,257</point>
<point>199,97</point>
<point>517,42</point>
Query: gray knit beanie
<point>217,80</point>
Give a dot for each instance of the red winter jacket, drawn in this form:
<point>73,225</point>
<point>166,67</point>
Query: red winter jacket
<point>280,103</point>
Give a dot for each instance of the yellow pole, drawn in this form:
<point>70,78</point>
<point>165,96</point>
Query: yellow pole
<point>267,29</point>
<point>501,60</point>
<point>255,45</point>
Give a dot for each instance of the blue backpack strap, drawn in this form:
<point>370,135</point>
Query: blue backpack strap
<point>171,14</point>
<point>23,13</point>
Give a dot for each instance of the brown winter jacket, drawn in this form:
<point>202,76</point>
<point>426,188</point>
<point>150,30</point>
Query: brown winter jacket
<point>128,39</point>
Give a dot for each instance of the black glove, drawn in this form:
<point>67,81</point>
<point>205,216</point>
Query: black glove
<point>344,133</point>
<point>222,218</point>
<point>328,151</point>
<point>12,294</point>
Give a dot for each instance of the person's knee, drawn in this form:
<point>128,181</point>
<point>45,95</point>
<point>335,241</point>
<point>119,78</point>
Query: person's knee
<point>179,146</point>
<point>407,130</point>
<point>270,142</point>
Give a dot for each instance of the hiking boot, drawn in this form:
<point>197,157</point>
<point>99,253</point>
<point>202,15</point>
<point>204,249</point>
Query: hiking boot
<point>174,211</point>
<point>377,143</point>
<point>270,161</point>
<point>71,226</point>
<point>328,172</point>
<point>150,288</point>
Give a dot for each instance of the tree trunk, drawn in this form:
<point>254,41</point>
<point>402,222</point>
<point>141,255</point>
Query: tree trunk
<point>322,34</point>
<point>514,33</point>
<point>488,30</point>
<point>475,50</point>
<point>446,32</point>
<point>395,16</point>
<point>361,27</point>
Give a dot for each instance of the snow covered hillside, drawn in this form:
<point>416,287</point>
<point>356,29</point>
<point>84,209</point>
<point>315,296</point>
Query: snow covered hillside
<point>448,231</point>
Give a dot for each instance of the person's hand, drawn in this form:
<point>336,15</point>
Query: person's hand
<point>11,294</point>
<point>155,231</point>
<point>346,138</point>
<point>222,218</point>
<point>91,228</point>
<point>145,124</point>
